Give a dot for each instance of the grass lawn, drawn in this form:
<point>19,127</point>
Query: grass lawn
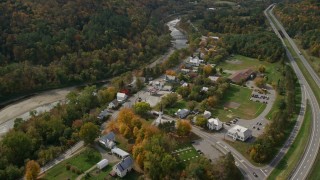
<point>99,175</point>
<point>243,147</point>
<point>81,161</point>
<point>239,62</point>
<point>275,106</point>
<point>181,104</point>
<point>294,154</point>
<point>247,109</point>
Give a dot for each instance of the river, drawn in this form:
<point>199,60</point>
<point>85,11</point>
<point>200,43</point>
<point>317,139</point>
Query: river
<point>47,100</point>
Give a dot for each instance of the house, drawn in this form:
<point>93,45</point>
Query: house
<point>124,166</point>
<point>108,140</point>
<point>204,89</point>
<point>241,76</point>
<point>239,132</point>
<point>182,113</point>
<point>103,114</point>
<point>121,97</point>
<point>102,164</point>
<point>167,88</point>
<point>185,71</point>
<point>214,124</point>
<point>207,114</point>
<point>158,84</point>
<point>170,78</point>
<point>194,61</point>
<point>113,104</point>
<point>185,84</point>
<point>119,152</point>
<point>214,78</point>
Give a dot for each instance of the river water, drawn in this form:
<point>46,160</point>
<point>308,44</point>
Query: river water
<point>47,100</point>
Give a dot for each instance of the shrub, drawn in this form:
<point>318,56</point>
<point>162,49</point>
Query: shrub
<point>68,166</point>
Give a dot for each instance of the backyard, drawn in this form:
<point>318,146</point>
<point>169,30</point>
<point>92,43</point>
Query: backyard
<point>238,104</point>
<point>78,164</point>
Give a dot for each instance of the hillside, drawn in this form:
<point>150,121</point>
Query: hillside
<point>47,44</point>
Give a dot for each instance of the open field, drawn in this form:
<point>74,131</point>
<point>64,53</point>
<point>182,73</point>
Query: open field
<point>238,62</point>
<point>294,154</point>
<point>186,154</point>
<point>247,109</point>
<point>80,161</point>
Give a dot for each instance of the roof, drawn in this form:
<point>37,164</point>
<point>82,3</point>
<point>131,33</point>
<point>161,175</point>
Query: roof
<point>205,89</point>
<point>241,75</point>
<point>120,152</point>
<point>207,114</point>
<point>214,121</point>
<point>238,129</point>
<point>126,163</point>
<point>103,114</point>
<point>214,78</point>
<point>115,102</point>
<point>110,136</point>
<point>123,95</point>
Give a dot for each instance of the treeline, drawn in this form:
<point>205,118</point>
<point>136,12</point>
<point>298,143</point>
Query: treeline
<point>302,20</point>
<point>54,43</point>
<point>276,132</point>
<point>262,45</point>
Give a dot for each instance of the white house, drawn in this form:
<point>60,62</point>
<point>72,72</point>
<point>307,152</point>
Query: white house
<point>123,167</point>
<point>170,78</point>
<point>182,113</point>
<point>121,97</point>
<point>102,164</point>
<point>204,89</point>
<point>108,140</point>
<point>119,152</point>
<point>207,114</point>
<point>239,132</point>
<point>194,61</point>
<point>113,104</point>
<point>214,124</point>
<point>214,78</point>
<point>185,84</point>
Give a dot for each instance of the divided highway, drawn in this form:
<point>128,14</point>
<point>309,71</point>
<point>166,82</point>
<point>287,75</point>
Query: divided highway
<point>311,151</point>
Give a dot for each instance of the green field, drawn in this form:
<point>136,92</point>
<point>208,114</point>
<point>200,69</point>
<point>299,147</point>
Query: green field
<point>247,109</point>
<point>294,154</point>
<point>81,161</point>
<point>238,62</point>
<point>181,104</point>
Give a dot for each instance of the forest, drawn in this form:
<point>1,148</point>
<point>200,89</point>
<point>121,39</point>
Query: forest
<point>302,21</point>
<point>54,43</point>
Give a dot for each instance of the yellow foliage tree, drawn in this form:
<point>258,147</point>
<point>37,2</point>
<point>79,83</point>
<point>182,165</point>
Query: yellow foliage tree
<point>183,127</point>
<point>32,170</point>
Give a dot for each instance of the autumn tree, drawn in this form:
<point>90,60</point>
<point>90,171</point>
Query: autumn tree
<point>89,132</point>
<point>142,108</point>
<point>207,70</point>
<point>262,69</point>
<point>106,95</point>
<point>183,127</point>
<point>260,82</point>
<point>201,121</point>
<point>32,170</point>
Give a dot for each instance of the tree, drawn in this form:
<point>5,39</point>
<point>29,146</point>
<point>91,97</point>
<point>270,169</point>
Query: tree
<point>169,100</point>
<point>32,170</point>
<point>18,146</point>
<point>260,82</point>
<point>89,132</point>
<point>142,108</point>
<point>191,105</point>
<point>212,101</point>
<point>199,169</point>
<point>207,69</point>
<point>106,95</point>
<point>262,69</point>
<point>183,127</point>
<point>201,121</point>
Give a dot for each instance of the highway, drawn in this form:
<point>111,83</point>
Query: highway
<point>311,151</point>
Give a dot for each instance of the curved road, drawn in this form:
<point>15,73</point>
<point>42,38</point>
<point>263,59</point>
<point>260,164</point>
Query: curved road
<point>312,148</point>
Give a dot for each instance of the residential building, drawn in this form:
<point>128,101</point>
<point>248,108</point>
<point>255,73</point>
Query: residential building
<point>214,124</point>
<point>204,89</point>
<point>108,140</point>
<point>170,78</point>
<point>239,132</point>
<point>113,104</point>
<point>103,114</point>
<point>207,114</point>
<point>167,88</point>
<point>182,113</point>
<point>214,78</point>
<point>124,166</point>
<point>121,97</point>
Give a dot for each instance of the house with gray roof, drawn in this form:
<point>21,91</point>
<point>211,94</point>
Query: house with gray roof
<point>124,166</point>
<point>108,140</point>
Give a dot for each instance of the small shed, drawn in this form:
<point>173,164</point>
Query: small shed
<point>102,164</point>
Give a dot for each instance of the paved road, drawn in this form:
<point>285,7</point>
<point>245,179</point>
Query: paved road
<point>312,148</point>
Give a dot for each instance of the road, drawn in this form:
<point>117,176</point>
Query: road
<point>312,148</point>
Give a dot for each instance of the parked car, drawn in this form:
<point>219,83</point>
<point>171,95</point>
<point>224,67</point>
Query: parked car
<point>254,174</point>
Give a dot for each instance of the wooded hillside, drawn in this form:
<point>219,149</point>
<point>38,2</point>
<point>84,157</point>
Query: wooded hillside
<point>45,44</point>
